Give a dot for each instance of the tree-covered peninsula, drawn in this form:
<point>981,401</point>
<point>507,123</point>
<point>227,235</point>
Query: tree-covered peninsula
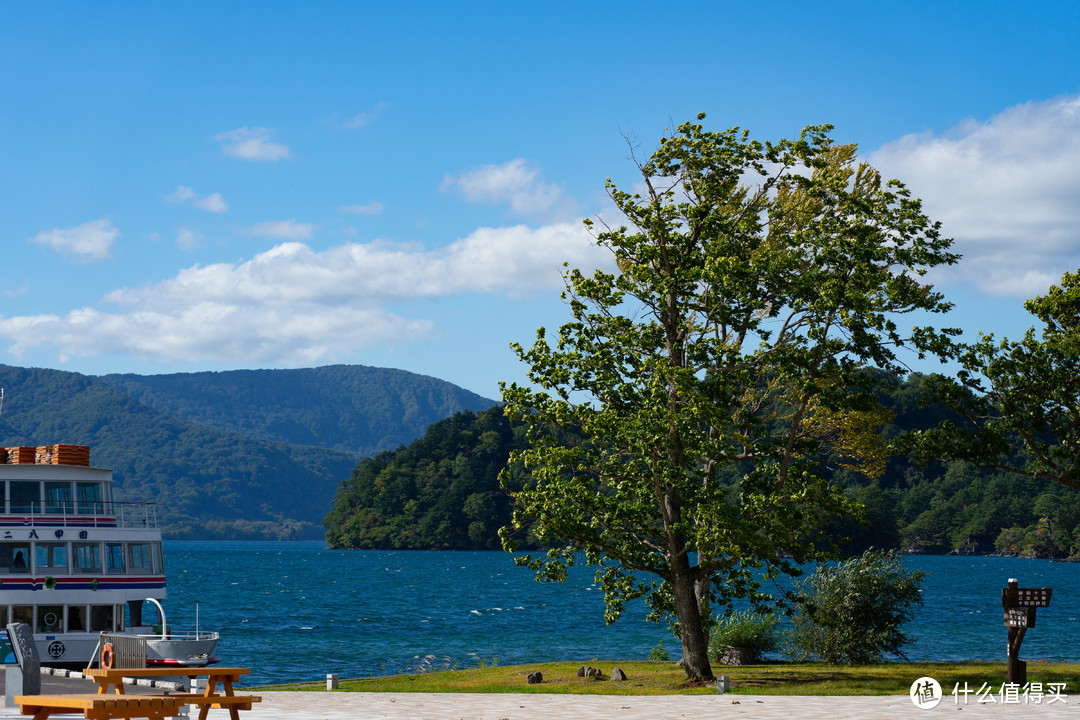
<point>440,492</point>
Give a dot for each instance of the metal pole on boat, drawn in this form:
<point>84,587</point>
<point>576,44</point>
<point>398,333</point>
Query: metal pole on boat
<point>161,610</point>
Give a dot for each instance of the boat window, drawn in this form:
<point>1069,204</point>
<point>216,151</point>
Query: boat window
<point>50,618</point>
<point>3,615</point>
<point>139,557</point>
<point>114,552</point>
<point>23,614</point>
<point>87,557</point>
<point>101,618</point>
<point>159,561</point>
<point>25,496</point>
<point>15,557</point>
<point>51,557</point>
<point>58,498</point>
<point>89,496</point>
<point>76,618</point>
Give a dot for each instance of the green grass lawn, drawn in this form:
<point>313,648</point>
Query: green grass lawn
<point>663,678</point>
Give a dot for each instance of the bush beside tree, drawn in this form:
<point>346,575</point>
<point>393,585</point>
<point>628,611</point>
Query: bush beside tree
<point>853,612</point>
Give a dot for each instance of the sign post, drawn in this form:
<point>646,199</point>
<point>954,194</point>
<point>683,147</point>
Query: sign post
<point>1020,605</point>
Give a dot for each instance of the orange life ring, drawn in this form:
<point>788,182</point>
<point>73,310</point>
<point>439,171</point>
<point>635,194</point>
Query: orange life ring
<point>108,657</point>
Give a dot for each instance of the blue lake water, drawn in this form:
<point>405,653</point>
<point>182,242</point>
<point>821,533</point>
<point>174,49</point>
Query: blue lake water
<point>297,611</point>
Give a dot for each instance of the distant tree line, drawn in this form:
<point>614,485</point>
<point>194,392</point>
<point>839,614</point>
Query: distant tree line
<point>442,492</point>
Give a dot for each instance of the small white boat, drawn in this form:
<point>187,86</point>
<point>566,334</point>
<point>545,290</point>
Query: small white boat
<point>75,564</point>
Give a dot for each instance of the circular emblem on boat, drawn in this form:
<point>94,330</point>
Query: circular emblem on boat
<point>56,650</point>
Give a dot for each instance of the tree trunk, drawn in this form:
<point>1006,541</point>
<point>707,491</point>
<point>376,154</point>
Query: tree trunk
<point>695,645</point>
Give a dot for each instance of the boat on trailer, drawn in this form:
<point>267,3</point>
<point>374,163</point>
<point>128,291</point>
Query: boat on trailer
<point>75,564</point>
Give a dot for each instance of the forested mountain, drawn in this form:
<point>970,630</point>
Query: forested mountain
<point>352,408</point>
<point>216,482</point>
<point>442,492</point>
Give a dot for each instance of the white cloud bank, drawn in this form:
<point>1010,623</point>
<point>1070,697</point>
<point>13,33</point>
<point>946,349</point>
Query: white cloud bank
<point>1005,189</point>
<point>84,243</point>
<point>293,305</point>
<point>252,144</point>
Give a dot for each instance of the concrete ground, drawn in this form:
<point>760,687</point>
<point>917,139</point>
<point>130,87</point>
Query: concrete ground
<point>422,706</point>
<point>521,706</point>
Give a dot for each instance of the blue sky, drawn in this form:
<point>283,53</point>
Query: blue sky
<point>211,186</point>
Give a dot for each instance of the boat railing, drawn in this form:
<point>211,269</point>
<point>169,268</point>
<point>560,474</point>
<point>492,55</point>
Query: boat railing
<point>182,635</point>
<point>87,514</point>
<point>129,651</point>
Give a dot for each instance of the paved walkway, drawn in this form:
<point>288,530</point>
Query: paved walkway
<point>527,706</point>
<point>424,706</point>
<point>419,706</point>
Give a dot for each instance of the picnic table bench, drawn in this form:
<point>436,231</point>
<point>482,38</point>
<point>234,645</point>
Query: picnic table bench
<point>105,705</point>
<point>101,707</point>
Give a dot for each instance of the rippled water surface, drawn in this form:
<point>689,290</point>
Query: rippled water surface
<point>297,611</point>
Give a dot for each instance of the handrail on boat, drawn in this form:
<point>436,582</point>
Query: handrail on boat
<point>95,514</point>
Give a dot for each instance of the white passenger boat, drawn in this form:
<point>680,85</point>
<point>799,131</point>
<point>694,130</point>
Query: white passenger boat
<point>74,564</point>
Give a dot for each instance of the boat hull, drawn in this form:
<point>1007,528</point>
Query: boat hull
<point>182,652</point>
<point>76,651</point>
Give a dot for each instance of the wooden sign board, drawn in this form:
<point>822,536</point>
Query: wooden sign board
<point>1020,617</point>
<point>1033,597</point>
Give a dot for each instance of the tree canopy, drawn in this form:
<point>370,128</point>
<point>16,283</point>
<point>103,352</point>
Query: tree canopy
<point>1017,403</point>
<point>755,282</point>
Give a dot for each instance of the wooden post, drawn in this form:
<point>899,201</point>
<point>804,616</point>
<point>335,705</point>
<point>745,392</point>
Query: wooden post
<point>1017,668</point>
<point>1019,605</point>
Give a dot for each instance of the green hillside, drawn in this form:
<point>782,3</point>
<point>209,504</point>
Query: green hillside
<point>208,482</point>
<point>352,408</point>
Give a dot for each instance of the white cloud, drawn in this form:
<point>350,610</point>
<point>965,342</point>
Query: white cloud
<point>252,144</point>
<point>364,119</point>
<point>293,305</point>
<point>187,239</point>
<point>513,183</point>
<point>490,260</point>
<point>374,208</point>
<point>90,241</point>
<point>214,202</point>
<point>182,193</point>
<point>1005,189</point>
<point>282,230</point>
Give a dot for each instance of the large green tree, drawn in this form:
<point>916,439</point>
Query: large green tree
<point>1017,403</point>
<point>711,375</point>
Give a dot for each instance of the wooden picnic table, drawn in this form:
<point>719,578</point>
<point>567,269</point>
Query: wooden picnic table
<point>205,700</point>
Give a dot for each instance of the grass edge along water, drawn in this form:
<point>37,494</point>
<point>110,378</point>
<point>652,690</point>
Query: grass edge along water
<point>665,678</point>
